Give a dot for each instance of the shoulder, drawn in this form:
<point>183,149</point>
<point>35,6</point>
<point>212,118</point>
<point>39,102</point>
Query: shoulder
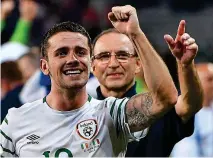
<point>116,106</point>
<point>27,106</point>
<point>16,114</point>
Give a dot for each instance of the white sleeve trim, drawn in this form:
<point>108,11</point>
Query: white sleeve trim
<point>136,136</point>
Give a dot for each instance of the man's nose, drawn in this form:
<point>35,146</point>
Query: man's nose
<point>113,61</point>
<point>71,58</point>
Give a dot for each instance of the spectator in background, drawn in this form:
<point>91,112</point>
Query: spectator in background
<point>117,79</point>
<point>28,11</point>
<point>11,86</point>
<point>17,49</point>
<point>28,64</point>
<point>32,90</point>
<point>200,144</point>
<point>16,46</point>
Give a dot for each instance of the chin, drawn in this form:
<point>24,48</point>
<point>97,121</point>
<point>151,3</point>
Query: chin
<point>115,86</point>
<point>80,85</point>
<point>74,85</point>
<point>118,85</point>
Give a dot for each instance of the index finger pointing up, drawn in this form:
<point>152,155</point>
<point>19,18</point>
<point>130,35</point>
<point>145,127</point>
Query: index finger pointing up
<point>181,30</point>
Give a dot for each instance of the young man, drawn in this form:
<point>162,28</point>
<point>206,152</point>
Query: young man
<point>117,79</point>
<point>67,122</point>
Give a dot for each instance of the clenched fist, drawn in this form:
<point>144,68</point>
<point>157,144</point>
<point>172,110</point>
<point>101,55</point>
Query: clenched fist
<point>125,20</point>
<point>6,8</point>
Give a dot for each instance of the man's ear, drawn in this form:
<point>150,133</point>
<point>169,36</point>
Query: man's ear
<point>44,66</point>
<point>92,67</point>
<point>139,67</point>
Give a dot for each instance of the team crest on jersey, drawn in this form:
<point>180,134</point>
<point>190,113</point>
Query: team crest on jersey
<point>87,129</point>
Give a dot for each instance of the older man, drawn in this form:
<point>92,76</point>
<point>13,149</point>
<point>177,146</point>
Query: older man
<point>115,63</point>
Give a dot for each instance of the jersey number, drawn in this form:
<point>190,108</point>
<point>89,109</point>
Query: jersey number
<point>58,152</point>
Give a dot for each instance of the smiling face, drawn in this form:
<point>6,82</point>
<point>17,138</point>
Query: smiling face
<point>115,75</point>
<point>68,62</point>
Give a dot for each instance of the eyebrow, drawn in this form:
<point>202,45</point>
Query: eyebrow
<point>61,49</point>
<point>80,47</point>
<point>103,52</point>
<point>65,48</point>
<point>115,52</point>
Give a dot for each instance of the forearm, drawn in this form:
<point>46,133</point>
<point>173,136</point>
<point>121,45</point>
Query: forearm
<point>191,97</point>
<point>143,109</point>
<point>156,74</point>
<point>22,31</point>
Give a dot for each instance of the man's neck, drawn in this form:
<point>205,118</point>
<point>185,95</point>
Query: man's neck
<point>66,100</point>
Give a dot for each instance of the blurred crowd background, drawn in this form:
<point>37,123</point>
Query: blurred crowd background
<point>156,17</point>
<point>24,22</point>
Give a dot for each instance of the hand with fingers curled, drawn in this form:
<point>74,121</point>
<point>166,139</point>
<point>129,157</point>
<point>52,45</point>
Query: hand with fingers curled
<point>28,9</point>
<point>183,47</point>
<point>6,8</point>
<point>125,20</point>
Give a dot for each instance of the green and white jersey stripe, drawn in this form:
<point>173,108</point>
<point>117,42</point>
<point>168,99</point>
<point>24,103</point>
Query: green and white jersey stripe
<point>96,129</point>
<point>6,144</point>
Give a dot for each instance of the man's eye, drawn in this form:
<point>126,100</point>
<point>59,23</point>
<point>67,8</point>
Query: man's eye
<point>81,53</point>
<point>103,56</point>
<point>62,53</point>
<point>122,55</point>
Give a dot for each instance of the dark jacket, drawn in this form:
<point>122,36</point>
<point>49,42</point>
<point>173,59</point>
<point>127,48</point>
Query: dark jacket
<point>10,100</point>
